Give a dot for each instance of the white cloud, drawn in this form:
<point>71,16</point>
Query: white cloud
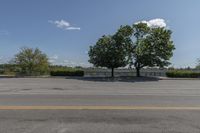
<point>73,28</point>
<point>62,24</point>
<point>158,22</point>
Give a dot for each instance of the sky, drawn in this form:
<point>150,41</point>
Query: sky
<point>64,29</point>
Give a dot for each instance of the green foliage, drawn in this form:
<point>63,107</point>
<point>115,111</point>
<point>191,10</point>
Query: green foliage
<point>198,64</point>
<point>109,52</point>
<point>139,46</point>
<point>140,30</point>
<point>65,71</point>
<point>8,69</point>
<point>182,74</point>
<point>155,49</point>
<point>32,62</point>
<point>198,67</point>
<point>152,48</point>
<point>106,53</point>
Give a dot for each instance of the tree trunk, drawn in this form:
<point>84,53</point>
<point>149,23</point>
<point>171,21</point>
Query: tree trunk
<point>138,72</point>
<point>112,73</point>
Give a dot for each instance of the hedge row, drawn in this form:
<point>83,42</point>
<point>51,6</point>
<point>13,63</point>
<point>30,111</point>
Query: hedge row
<point>67,73</point>
<point>182,74</point>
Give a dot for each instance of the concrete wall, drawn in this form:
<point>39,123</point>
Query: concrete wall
<point>124,72</point>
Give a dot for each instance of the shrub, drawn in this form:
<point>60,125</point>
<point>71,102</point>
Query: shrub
<point>183,74</point>
<point>8,69</point>
<point>67,73</point>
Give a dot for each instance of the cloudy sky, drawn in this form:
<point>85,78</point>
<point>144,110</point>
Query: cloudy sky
<point>65,29</point>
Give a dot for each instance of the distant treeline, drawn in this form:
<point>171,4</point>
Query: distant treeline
<point>54,70</point>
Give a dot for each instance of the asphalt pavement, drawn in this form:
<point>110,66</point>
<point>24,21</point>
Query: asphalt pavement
<point>48,105</point>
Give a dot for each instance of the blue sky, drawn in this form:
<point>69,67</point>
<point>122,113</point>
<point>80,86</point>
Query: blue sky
<point>64,29</point>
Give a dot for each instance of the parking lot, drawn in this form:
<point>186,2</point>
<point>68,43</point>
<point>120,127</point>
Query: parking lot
<point>85,105</point>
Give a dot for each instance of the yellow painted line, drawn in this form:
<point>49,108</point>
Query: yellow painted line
<point>96,108</point>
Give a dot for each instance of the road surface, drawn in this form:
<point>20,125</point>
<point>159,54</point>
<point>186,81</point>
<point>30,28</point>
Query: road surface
<point>49,105</point>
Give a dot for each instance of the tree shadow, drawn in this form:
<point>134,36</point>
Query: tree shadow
<point>116,79</point>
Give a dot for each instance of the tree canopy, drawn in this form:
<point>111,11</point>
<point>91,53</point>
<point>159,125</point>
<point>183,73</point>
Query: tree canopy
<point>153,46</point>
<point>32,61</point>
<point>198,64</point>
<point>138,45</point>
<point>109,52</point>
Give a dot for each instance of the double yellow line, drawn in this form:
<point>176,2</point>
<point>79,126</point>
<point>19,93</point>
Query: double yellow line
<point>97,108</point>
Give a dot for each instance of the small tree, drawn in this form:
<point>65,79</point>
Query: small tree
<point>108,52</point>
<point>153,47</point>
<point>32,61</point>
<point>198,64</point>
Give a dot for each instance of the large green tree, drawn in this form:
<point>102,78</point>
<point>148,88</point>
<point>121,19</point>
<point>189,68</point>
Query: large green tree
<point>32,61</point>
<point>109,52</point>
<point>139,46</point>
<point>153,47</point>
